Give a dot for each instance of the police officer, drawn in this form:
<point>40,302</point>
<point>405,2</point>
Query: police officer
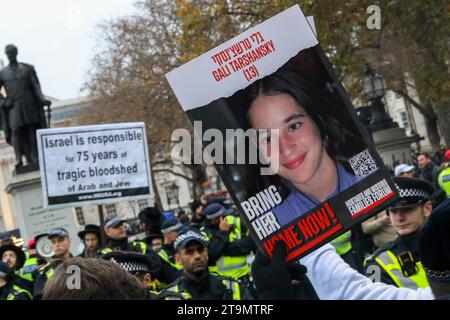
<point>9,290</point>
<point>61,247</point>
<point>398,261</point>
<point>91,237</point>
<point>117,239</point>
<point>31,261</point>
<point>169,229</point>
<point>229,243</point>
<point>197,283</point>
<point>145,268</point>
<point>434,250</point>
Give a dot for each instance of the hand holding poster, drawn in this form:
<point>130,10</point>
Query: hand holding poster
<point>93,164</point>
<point>315,172</point>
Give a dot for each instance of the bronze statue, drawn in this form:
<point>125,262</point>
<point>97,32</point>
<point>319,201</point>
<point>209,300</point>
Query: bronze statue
<point>22,110</point>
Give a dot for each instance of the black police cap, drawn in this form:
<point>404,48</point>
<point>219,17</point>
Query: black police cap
<point>134,262</point>
<point>170,225</point>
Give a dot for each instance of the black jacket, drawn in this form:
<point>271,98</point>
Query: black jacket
<point>210,287</point>
<point>219,244</point>
<point>41,276</point>
<point>9,289</point>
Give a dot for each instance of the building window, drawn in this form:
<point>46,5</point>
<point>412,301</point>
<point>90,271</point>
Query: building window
<point>404,119</point>
<point>80,216</point>
<point>172,194</point>
<point>110,209</point>
<point>143,203</point>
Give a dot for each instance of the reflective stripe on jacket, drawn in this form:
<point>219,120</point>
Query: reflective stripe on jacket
<point>342,244</point>
<point>228,266</point>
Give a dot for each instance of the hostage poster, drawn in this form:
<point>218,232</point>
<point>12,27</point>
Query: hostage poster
<point>283,135</point>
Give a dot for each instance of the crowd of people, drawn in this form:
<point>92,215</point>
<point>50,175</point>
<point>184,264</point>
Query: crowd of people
<point>401,253</point>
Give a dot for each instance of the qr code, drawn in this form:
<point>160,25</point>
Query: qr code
<point>363,164</point>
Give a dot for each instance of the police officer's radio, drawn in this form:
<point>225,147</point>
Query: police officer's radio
<point>408,264</point>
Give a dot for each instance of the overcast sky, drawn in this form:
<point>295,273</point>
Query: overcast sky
<point>57,37</point>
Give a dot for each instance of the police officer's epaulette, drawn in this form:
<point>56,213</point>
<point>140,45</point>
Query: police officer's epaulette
<point>44,267</point>
<point>387,246</point>
<point>103,251</point>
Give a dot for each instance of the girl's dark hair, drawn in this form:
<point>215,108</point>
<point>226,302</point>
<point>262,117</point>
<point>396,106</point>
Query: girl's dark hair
<point>339,133</point>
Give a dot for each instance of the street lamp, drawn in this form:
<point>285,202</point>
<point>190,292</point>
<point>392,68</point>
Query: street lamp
<point>374,91</point>
<point>417,138</point>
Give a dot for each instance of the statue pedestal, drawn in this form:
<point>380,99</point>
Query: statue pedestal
<point>26,169</point>
<point>393,146</point>
<point>31,217</point>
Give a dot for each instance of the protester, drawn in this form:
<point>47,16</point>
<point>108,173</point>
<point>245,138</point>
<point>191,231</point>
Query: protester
<point>31,262</point>
<point>197,283</point>
<point>444,176</point>
<point>399,260</point>
<point>13,256</point>
<point>91,237</point>
<point>430,172</point>
<point>435,250</point>
<point>446,159</point>
<point>334,279</point>
<point>404,170</point>
<point>274,280</point>
<point>98,280</point>
<point>154,241</point>
<point>314,144</point>
<point>144,267</point>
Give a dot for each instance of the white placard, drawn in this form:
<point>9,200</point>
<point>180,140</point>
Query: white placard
<point>94,164</point>
<point>237,63</point>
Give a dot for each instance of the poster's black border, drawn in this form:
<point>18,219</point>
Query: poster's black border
<point>346,223</point>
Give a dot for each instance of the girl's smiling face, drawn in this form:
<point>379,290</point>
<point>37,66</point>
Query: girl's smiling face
<point>300,146</point>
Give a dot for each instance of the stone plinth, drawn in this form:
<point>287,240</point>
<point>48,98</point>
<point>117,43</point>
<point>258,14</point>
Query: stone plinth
<point>393,145</point>
<point>32,219</point>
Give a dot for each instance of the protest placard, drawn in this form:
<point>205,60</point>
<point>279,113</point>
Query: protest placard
<point>295,159</point>
<point>94,164</point>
